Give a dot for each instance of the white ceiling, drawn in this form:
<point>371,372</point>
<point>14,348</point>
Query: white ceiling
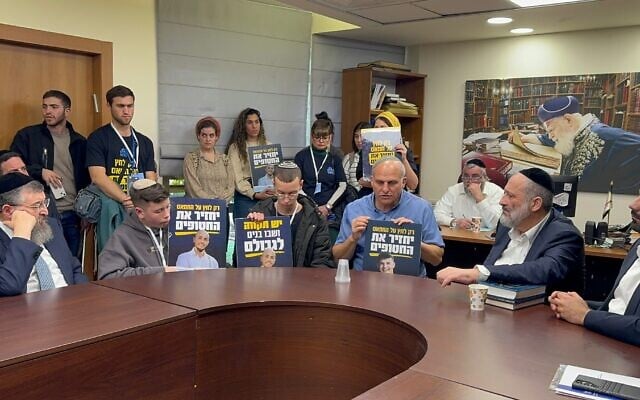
<point>406,22</point>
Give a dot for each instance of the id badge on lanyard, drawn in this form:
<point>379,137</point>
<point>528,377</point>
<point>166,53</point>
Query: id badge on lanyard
<point>317,170</point>
<point>133,160</point>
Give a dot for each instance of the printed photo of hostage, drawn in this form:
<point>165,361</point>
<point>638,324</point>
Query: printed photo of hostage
<point>268,258</point>
<point>386,263</point>
<point>197,258</point>
<point>267,180</point>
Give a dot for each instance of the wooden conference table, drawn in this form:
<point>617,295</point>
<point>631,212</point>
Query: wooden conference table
<point>287,333</point>
<point>465,249</point>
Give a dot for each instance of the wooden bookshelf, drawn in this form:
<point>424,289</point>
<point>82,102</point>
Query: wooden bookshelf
<point>632,121</point>
<point>478,107</point>
<point>357,85</point>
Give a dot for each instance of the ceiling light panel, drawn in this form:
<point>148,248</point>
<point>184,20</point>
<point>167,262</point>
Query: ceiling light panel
<point>537,3</point>
<point>397,13</point>
<point>449,7</point>
<point>357,4</point>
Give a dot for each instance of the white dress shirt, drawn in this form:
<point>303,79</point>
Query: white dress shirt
<point>33,284</point>
<point>456,203</point>
<point>520,244</point>
<point>626,288</point>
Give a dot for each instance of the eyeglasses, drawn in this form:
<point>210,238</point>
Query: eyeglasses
<point>321,137</point>
<point>472,178</point>
<point>291,195</point>
<point>39,205</point>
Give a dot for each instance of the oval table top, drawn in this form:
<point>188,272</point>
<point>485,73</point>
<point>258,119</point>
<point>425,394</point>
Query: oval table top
<point>512,354</point>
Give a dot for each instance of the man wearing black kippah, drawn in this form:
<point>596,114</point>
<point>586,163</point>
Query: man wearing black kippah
<point>33,253</point>
<point>535,244</point>
<point>475,196</point>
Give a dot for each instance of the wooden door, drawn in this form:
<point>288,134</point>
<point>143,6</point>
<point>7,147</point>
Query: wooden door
<point>32,62</point>
<point>26,73</point>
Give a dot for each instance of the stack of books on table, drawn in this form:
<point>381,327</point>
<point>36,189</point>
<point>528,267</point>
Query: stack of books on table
<point>514,296</point>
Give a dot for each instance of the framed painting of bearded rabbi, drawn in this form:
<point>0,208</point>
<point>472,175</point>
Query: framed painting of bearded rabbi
<point>582,125</point>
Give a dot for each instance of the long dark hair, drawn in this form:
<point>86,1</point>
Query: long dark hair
<point>239,134</point>
<point>359,126</point>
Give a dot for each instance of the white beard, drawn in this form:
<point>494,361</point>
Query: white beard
<point>41,233</point>
<point>565,145</point>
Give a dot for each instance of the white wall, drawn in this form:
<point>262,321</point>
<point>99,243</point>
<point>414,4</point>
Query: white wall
<point>449,65</point>
<point>129,24</point>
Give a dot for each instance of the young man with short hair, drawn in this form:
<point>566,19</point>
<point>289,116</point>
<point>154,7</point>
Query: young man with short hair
<point>139,245</point>
<point>55,154</point>
<point>309,229</point>
<point>117,154</point>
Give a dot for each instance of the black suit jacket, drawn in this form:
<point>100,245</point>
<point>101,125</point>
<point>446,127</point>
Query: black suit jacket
<point>622,327</point>
<point>555,259</point>
<point>18,256</point>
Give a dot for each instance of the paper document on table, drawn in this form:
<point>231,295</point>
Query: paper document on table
<point>566,374</point>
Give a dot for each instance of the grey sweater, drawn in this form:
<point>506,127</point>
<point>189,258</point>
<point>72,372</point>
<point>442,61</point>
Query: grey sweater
<point>131,251</point>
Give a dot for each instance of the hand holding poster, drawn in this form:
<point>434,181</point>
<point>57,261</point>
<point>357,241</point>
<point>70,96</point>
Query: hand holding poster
<point>264,243</point>
<point>262,160</point>
<point>392,248</point>
<point>376,144</point>
<point>197,233</point>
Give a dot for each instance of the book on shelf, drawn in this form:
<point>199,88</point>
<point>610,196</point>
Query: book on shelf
<point>384,64</point>
<point>377,96</point>
<point>515,304</point>
<point>514,291</point>
<point>393,98</point>
<point>401,107</point>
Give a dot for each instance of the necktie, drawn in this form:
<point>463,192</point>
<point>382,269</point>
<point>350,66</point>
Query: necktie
<point>44,275</point>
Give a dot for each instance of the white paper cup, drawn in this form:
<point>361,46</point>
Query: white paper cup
<point>477,296</point>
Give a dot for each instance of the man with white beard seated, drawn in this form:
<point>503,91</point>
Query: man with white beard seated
<point>595,152</point>
<point>535,244</point>
<point>33,253</point>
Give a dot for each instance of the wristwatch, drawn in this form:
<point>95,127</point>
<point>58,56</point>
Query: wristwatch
<point>452,224</point>
<point>483,272</point>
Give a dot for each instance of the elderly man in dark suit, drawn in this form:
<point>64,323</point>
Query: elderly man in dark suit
<point>535,244</point>
<point>618,316</point>
<point>33,253</point>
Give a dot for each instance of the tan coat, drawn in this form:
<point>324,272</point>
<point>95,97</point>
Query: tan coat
<point>208,180</point>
